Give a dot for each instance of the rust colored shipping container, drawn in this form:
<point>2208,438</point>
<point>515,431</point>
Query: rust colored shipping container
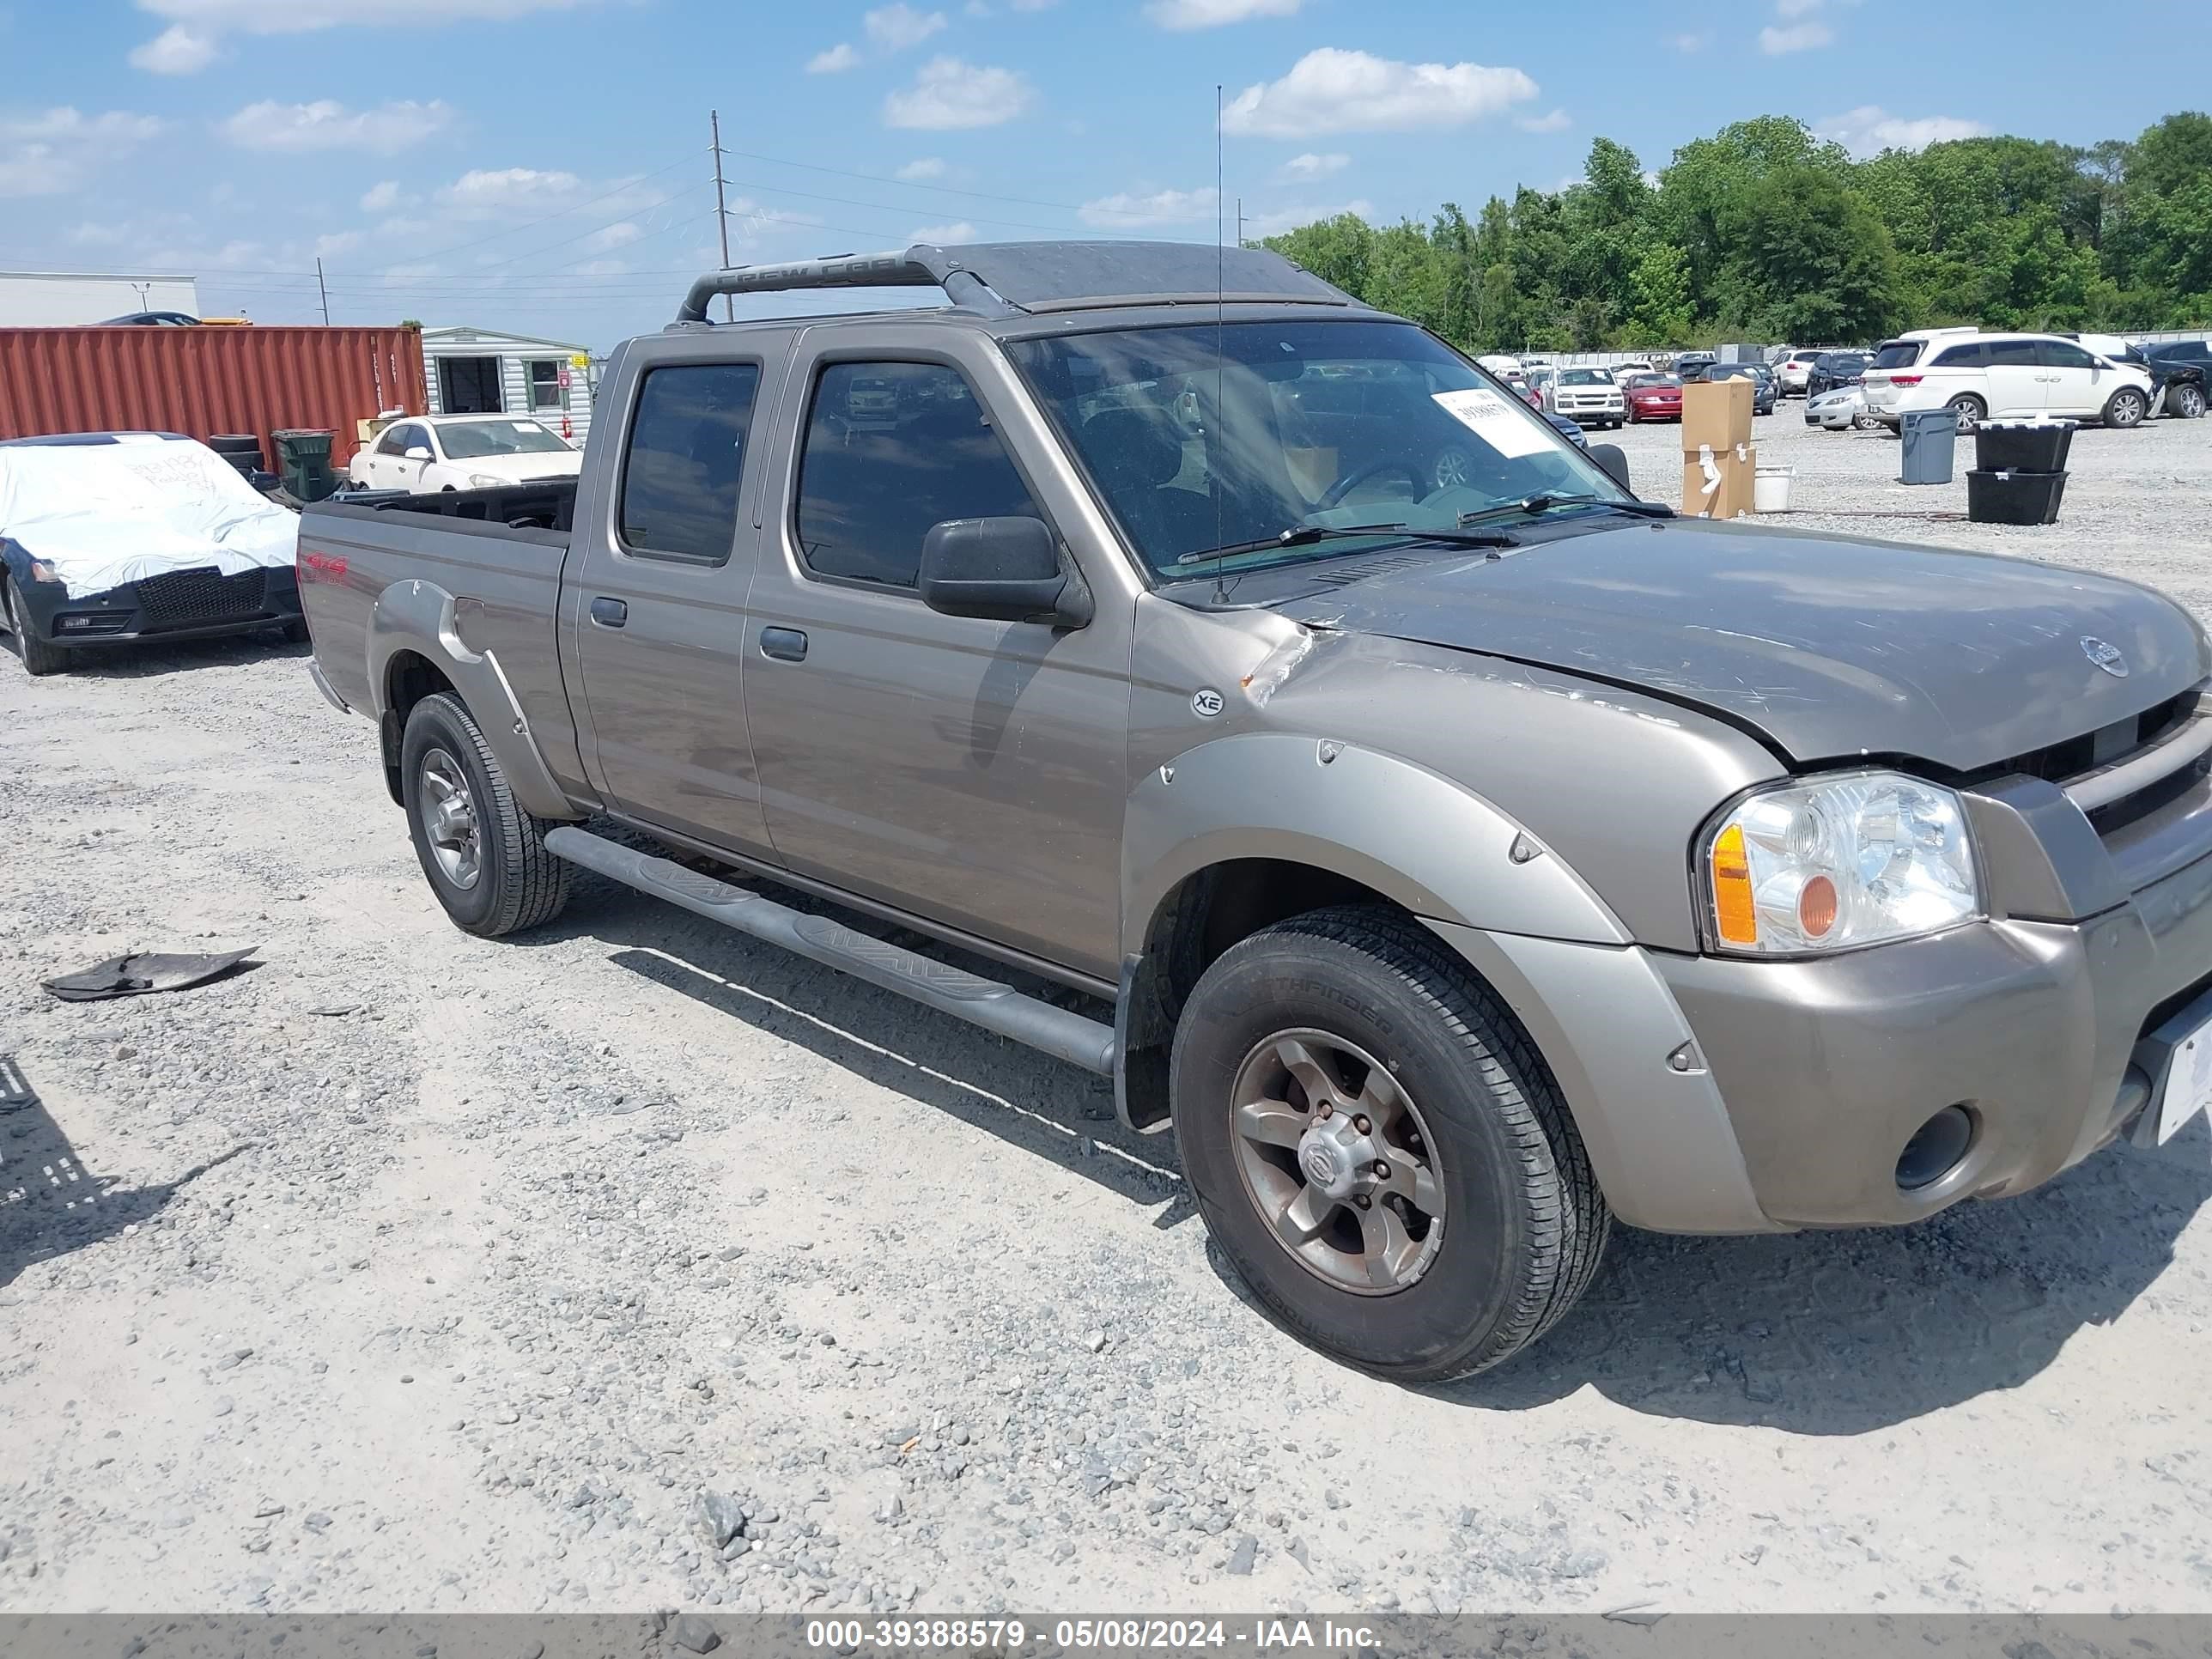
<point>200,381</point>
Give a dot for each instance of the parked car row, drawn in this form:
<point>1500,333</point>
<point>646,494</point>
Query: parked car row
<point>1980,376</point>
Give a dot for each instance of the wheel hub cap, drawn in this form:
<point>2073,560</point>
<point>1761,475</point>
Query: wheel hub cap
<point>1338,1162</point>
<point>449,818</point>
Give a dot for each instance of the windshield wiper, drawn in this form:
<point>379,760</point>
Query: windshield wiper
<point>1304,535</point>
<point>1544,501</point>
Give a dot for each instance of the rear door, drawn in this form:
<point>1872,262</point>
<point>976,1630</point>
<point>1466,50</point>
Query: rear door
<point>969,771</point>
<point>656,606</point>
<point>2015,377</point>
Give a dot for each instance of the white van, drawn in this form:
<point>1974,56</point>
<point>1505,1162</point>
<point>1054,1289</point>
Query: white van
<point>2001,377</point>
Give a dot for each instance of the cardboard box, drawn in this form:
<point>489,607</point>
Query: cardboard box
<point>1717,414</point>
<point>1717,484</point>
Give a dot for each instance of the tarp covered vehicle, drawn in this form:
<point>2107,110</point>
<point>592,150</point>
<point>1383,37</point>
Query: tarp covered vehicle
<point>113,536</point>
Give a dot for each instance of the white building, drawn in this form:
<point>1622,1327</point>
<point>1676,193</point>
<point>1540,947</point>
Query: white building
<point>50,299</point>
<point>480,371</point>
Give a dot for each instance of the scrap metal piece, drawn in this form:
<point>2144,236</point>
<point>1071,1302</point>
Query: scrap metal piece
<point>143,972</point>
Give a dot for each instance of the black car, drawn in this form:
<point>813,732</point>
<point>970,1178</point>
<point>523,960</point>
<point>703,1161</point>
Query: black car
<point>1692,365</point>
<point>1763,389</point>
<point>2182,369</point>
<point>1833,368</point>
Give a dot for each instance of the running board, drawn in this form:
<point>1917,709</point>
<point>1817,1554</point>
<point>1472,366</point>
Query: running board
<point>950,990</point>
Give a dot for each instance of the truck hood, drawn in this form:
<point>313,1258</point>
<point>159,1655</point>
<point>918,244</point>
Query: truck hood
<point>1827,647</point>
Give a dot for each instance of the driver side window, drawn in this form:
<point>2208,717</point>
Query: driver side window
<point>393,442</point>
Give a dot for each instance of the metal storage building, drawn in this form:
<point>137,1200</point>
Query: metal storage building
<point>63,299</point>
<point>480,371</point>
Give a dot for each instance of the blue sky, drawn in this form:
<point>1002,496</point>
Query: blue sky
<point>543,165</point>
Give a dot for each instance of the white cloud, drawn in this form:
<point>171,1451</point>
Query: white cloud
<point>1795,8</point>
<point>59,149</point>
<point>382,198</point>
<point>329,125</point>
<point>835,61</point>
<point>601,268</point>
<point>485,190</point>
<point>926,167</point>
<point>1310,165</point>
<point>1035,5</point>
<point>212,18</point>
<point>1257,225</point>
<point>1688,42</point>
<point>898,26</point>
<point>1212,14</point>
<point>1331,90</point>
<point>176,49</point>
<point>613,236</point>
<point>1870,128</point>
<point>1558,121</point>
<point>956,233</point>
<point>344,241</point>
<point>948,94</point>
<point>1128,212</point>
<point>1798,37</point>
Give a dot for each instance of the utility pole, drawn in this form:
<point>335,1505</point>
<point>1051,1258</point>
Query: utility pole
<point>323,290</point>
<point>722,213</point>
<point>1240,222</point>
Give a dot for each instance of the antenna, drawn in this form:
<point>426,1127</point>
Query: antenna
<point>1220,304</point>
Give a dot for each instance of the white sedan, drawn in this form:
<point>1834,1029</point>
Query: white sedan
<point>429,453</point>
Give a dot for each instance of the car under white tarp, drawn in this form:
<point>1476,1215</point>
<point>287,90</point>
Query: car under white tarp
<point>111,509</point>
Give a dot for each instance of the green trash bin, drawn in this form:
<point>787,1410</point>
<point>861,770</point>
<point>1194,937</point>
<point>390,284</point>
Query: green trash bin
<point>304,458</point>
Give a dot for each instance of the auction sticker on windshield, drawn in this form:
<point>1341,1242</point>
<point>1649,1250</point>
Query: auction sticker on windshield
<point>1492,419</point>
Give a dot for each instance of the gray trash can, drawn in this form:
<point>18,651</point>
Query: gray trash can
<point>1930,435</point>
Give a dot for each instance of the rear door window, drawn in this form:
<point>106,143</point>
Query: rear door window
<point>891,450</point>
<point>2011,354</point>
<point>686,455</point>
<point>1962,356</point>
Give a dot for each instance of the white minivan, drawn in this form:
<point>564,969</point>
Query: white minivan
<point>2001,377</point>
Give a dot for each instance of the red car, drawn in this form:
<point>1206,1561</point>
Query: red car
<point>1655,398</point>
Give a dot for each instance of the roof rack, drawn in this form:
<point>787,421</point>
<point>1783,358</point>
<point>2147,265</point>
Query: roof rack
<point>1003,279</point>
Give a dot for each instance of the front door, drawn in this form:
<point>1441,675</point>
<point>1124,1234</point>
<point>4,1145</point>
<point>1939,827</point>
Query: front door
<point>659,620</point>
<point>970,771</point>
<point>2075,384</point>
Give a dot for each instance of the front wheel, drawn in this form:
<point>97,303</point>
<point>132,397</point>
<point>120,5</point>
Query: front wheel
<point>2126,408</point>
<point>2187,402</point>
<point>1378,1148</point>
<point>40,657</point>
<point>484,856</point>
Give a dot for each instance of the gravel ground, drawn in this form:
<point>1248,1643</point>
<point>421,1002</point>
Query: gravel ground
<point>411,1272</point>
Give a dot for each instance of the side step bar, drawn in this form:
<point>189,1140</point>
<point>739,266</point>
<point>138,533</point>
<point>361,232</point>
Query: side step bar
<point>984,1002</point>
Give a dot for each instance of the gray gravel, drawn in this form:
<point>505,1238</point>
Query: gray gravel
<point>632,1266</point>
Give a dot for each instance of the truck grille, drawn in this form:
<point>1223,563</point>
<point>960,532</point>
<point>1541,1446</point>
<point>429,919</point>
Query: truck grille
<point>2126,771</point>
<point>193,599</point>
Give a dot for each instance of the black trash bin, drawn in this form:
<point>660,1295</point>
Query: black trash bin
<point>304,457</point>
<point>1994,498</point>
<point>2022,446</point>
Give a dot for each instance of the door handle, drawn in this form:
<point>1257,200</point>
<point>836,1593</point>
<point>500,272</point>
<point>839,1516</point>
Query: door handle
<point>609,613</point>
<point>784,644</point>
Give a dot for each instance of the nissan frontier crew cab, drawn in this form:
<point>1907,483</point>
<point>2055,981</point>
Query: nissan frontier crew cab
<point>1461,852</point>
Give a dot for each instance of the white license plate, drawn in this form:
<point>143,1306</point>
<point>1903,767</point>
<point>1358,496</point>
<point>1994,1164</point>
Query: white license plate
<point>2188,1081</point>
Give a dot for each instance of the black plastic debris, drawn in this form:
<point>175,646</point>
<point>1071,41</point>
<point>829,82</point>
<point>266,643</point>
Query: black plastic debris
<point>136,976</point>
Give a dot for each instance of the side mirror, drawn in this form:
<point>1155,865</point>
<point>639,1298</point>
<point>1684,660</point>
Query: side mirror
<point>1001,569</point>
<point>418,452</point>
<point>1613,463</point>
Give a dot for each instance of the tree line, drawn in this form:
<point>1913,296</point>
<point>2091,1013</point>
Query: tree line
<point>1766,231</point>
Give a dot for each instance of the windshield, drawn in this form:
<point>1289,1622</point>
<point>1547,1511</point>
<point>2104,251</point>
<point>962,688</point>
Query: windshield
<point>1291,425</point>
<point>1641,380</point>
<point>1585,377</point>
<point>475,440</point>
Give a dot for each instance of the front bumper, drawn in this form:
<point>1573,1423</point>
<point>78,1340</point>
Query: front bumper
<point>1804,1080</point>
<point>183,604</point>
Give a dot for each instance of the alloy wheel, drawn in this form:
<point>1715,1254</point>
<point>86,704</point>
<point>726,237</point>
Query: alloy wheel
<point>449,818</point>
<point>1337,1161</point>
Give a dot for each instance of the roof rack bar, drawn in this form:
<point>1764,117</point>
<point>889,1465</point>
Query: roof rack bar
<point>919,266</point>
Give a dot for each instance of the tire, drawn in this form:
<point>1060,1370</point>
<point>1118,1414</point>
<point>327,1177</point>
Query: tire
<point>516,883</point>
<point>1521,1223</point>
<point>2125,408</point>
<point>39,657</point>
<point>1970,411</point>
<point>2186,402</point>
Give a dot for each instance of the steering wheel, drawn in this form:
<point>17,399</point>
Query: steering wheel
<point>1336,492</point>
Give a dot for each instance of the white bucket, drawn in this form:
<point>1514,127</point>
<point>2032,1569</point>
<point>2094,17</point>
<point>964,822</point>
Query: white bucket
<point>1770,489</point>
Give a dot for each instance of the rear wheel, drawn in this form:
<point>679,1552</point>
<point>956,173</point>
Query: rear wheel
<point>2126,408</point>
<point>40,657</point>
<point>2187,402</point>
<point>1378,1147</point>
<point>1970,411</point>
<point>484,856</point>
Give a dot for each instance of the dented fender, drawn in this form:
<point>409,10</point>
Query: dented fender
<point>424,619</point>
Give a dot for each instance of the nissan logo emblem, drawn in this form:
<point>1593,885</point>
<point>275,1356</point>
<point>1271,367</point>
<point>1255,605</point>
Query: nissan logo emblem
<point>2107,657</point>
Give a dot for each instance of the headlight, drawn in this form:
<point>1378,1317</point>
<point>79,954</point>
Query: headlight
<point>1834,863</point>
<point>485,481</point>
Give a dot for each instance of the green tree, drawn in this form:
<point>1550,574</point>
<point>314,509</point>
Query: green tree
<point>1659,305</point>
<point>2174,155</point>
<point>1806,257</point>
